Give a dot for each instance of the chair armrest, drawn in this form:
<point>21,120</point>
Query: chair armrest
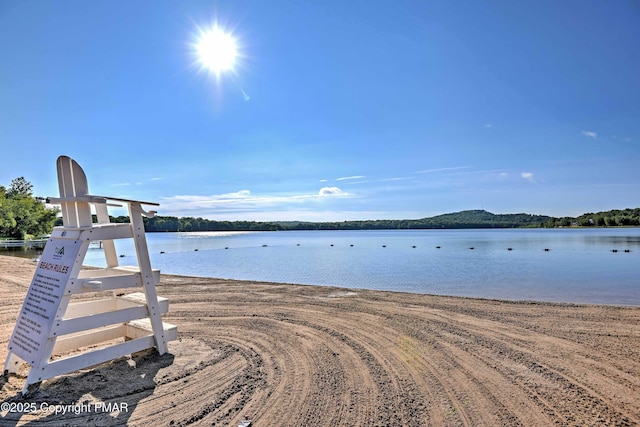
<point>82,199</point>
<point>94,199</point>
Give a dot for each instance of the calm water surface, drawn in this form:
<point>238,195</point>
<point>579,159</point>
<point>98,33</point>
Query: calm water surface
<point>580,265</point>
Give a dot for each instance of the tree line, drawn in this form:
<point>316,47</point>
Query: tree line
<point>459,220</point>
<point>171,223</point>
<point>612,218</point>
<point>465,219</point>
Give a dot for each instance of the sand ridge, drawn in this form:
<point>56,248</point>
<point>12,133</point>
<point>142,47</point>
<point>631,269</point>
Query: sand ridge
<point>292,355</point>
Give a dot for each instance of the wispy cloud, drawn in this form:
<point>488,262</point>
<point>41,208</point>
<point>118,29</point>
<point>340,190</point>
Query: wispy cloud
<point>345,178</point>
<point>528,176</point>
<point>616,137</point>
<point>443,169</point>
<point>590,134</point>
<point>127,184</point>
<point>396,179</point>
<point>245,200</point>
<point>488,125</point>
<point>315,215</point>
<point>484,171</point>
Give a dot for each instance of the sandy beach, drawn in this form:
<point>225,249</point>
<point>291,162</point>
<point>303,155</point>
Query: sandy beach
<point>290,355</point>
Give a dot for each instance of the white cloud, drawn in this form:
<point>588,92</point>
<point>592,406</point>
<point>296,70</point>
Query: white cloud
<point>330,191</point>
<point>590,134</point>
<point>312,215</point>
<point>241,201</point>
<point>528,176</point>
<point>344,178</point>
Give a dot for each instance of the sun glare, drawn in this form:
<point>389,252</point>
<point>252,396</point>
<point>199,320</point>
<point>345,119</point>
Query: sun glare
<point>217,51</point>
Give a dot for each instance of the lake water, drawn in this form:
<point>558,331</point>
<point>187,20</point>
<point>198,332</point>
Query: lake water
<point>580,265</point>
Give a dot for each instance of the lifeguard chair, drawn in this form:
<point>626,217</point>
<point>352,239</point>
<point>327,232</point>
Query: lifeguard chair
<point>50,323</point>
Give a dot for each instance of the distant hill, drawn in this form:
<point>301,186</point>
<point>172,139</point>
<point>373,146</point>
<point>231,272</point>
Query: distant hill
<point>464,219</point>
<point>483,219</point>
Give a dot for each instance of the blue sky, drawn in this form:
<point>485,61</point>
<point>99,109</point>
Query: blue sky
<point>336,110</point>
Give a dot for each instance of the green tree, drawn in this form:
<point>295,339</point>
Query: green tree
<point>7,220</point>
<point>20,187</point>
<point>21,215</point>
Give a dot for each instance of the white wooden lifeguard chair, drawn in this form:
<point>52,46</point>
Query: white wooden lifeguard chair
<point>50,323</point>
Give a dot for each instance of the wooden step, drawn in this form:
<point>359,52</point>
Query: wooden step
<point>142,328</point>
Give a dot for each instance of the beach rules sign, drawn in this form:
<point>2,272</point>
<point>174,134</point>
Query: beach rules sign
<point>41,304</point>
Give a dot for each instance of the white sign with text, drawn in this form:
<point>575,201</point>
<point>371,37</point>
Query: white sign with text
<point>43,299</point>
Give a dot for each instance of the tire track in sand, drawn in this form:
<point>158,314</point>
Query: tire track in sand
<point>292,355</point>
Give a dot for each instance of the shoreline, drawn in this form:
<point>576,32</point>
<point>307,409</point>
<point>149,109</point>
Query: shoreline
<point>408,294</point>
<point>287,354</point>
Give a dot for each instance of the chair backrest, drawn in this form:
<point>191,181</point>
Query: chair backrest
<point>72,183</point>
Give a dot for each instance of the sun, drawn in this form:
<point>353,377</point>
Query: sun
<point>217,50</point>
